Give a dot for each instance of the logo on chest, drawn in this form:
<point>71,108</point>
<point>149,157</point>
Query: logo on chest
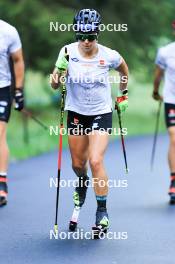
<point>101,64</point>
<point>75,59</point>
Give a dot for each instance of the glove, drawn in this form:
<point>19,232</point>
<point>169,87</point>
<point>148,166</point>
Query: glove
<point>121,102</point>
<point>62,64</point>
<point>19,99</point>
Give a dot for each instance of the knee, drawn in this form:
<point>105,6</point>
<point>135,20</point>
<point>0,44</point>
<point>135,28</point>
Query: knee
<point>95,163</point>
<point>79,168</point>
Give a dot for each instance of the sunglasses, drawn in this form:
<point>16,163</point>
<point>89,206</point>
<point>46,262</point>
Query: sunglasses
<point>83,37</point>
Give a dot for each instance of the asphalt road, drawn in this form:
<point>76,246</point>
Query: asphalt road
<point>142,222</point>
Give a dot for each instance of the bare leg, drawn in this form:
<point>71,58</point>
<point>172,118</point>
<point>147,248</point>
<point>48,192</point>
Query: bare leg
<point>97,146</point>
<point>4,152</point>
<point>171,160</point>
<point>171,152</point>
<point>79,152</point>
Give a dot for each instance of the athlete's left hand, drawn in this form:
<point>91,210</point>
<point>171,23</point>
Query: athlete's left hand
<point>19,99</point>
<point>121,103</point>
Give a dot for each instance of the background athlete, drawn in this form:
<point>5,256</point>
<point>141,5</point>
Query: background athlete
<point>10,46</point>
<point>89,106</point>
<point>165,66</point>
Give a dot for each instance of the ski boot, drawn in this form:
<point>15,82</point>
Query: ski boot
<point>172,192</point>
<point>79,197</point>
<point>3,190</point>
<point>102,223</point>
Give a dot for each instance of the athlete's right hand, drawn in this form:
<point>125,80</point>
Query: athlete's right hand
<point>62,63</point>
<point>156,96</point>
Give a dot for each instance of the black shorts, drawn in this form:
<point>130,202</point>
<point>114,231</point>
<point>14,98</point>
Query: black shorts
<point>5,104</point>
<point>78,124</point>
<point>170,114</point>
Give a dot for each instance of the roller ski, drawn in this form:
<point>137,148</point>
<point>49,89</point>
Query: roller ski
<point>79,197</point>
<point>101,225</point>
<point>3,191</point>
<point>172,192</point>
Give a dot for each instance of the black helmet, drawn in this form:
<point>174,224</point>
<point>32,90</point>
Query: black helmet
<point>87,20</point>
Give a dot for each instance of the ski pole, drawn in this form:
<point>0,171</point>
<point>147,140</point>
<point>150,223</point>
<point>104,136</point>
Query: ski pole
<point>29,114</point>
<point>60,143</point>
<point>155,135</point>
<point>122,140</point>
